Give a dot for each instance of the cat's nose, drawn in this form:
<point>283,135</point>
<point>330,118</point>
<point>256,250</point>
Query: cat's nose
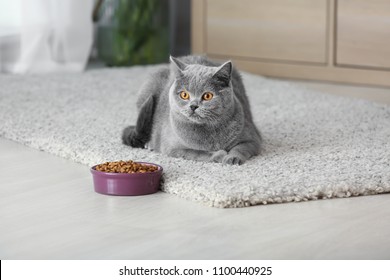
<point>194,107</point>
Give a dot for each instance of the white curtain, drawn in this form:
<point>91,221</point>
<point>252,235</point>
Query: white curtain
<point>41,36</point>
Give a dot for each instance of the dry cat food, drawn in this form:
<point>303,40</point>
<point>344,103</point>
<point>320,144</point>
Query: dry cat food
<point>125,167</point>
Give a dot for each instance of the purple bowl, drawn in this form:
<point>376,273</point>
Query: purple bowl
<point>125,183</point>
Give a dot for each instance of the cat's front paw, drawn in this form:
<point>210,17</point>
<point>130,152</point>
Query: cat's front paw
<point>175,153</point>
<point>218,156</point>
<point>233,160</point>
<point>130,138</point>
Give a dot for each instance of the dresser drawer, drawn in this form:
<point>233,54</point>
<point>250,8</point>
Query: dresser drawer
<point>292,30</point>
<point>363,33</point>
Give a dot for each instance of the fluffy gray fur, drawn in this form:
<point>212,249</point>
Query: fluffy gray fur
<point>219,130</point>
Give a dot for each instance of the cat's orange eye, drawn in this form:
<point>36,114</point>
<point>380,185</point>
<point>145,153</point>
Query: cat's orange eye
<point>207,96</point>
<point>184,95</point>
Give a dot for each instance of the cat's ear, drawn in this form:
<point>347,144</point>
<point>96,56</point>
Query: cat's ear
<point>224,73</point>
<point>177,65</point>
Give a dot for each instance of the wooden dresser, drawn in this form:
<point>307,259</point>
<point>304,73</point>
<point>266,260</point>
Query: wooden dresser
<point>330,40</point>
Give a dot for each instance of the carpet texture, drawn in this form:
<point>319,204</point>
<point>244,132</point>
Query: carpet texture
<point>316,146</point>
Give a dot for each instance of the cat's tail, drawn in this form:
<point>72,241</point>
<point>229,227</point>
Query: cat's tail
<point>137,136</point>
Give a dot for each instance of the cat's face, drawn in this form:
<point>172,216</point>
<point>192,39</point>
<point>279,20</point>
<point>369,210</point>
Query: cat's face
<point>201,94</point>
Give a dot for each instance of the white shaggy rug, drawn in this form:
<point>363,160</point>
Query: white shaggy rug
<point>316,146</point>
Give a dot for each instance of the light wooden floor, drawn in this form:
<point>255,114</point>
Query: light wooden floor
<point>48,210</point>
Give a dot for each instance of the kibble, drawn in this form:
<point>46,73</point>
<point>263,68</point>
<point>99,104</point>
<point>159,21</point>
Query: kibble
<point>125,167</point>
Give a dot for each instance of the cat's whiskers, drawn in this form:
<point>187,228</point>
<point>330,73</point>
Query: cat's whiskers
<point>210,115</point>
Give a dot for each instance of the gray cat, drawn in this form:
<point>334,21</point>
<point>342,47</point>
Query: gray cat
<point>195,109</point>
